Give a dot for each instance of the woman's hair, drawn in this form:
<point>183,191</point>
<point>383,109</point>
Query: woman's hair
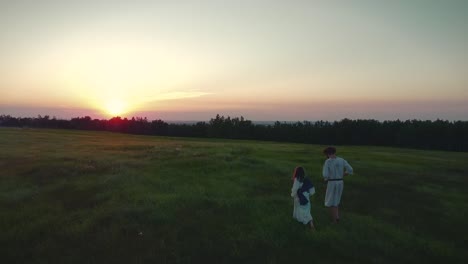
<point>329,151</point>
<point>299,173</point>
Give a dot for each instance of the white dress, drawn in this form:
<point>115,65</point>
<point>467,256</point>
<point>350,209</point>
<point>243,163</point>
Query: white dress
<point>301,212</point>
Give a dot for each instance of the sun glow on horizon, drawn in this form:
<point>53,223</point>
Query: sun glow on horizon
<point>115,107</point>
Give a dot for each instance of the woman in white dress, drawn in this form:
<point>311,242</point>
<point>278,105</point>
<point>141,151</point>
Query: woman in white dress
<point>301,191</point>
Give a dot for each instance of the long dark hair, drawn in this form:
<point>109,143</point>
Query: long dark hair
<point>299,174</point>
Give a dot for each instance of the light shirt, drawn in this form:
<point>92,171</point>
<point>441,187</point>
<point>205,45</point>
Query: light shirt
<point>334,168</point>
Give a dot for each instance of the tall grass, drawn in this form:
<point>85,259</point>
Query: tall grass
<point>94,197</point>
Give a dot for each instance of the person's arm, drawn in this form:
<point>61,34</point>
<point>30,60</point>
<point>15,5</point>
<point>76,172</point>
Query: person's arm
<point>325,171</point>
<point>294,188</point>
<point>348,168</point>
<point>312,191</point>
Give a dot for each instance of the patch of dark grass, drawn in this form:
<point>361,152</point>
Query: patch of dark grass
<point>73,198</point>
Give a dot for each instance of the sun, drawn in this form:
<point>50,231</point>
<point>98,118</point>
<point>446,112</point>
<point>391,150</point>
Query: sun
<point>115,107</point>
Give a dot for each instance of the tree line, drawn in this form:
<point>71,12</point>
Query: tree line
<point>422,134</point>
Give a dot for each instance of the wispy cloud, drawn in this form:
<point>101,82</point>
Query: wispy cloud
<point>176,95</point>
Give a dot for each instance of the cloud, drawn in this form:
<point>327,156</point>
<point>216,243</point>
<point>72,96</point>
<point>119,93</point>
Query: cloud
<point>176,95</point>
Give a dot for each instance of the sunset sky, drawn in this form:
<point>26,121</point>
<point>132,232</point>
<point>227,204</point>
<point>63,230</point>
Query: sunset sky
<point>265,60</point>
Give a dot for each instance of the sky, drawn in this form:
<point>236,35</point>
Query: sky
<point>261,59</point>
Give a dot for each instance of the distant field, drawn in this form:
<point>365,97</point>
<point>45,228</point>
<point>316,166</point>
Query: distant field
<point>93,197</point>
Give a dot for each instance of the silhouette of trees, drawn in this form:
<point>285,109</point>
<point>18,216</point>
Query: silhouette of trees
<point>438,134</point>
<point>221,127</point>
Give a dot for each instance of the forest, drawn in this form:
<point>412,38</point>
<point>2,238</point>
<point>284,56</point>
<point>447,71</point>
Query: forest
<point>420,134</point>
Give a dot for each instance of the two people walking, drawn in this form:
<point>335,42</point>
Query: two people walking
<point>334,169</point>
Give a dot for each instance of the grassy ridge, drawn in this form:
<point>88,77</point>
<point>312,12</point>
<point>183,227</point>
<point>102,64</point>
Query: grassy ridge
<point>89,197</point>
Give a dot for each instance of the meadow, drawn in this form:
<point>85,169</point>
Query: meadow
<point>97,197</point>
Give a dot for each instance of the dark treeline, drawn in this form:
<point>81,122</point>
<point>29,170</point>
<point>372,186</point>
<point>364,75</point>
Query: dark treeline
<point>439,134</point>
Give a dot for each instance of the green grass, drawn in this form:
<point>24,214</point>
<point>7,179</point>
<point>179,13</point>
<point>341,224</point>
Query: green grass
<point>94,197</point>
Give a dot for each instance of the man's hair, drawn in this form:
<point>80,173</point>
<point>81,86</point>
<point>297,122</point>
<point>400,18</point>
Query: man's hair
<point>329,151</point>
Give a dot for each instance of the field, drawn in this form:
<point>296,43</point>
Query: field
<point>93,197</point>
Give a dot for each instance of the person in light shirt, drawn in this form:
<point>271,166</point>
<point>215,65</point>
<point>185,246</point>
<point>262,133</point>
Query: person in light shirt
<point>334,170</point>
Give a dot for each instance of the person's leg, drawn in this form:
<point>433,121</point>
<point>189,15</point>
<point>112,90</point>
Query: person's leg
<point>337,214</point>
<point>329,198</point>
<point>339,193</point>
<point>334,200</point>
<point>334,214</point>
<point>311,223</point>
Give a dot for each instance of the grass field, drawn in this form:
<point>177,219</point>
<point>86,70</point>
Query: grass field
<point>94,197</point>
